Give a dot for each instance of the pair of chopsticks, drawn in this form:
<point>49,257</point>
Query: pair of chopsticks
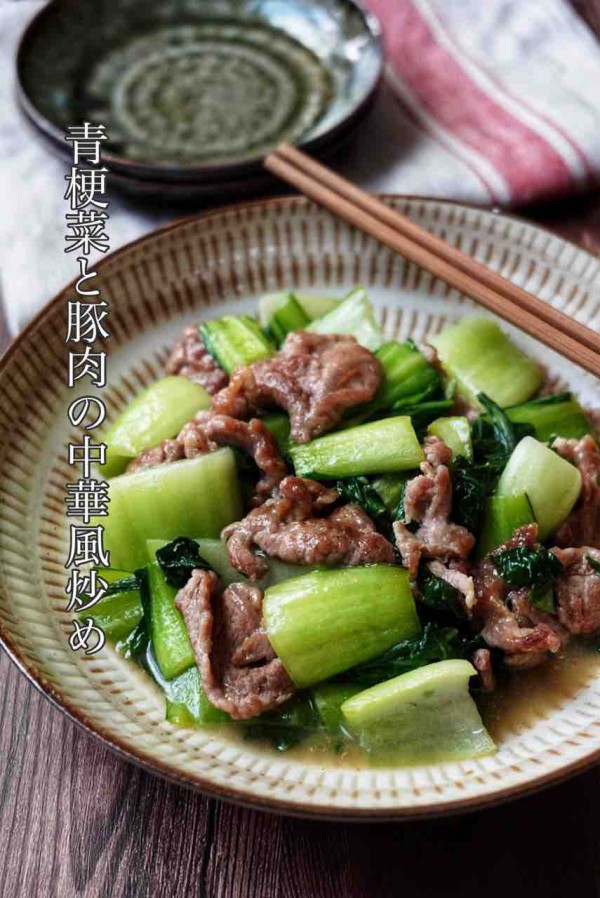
<point>552,327</point>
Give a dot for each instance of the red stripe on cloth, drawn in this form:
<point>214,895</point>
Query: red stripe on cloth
<point>531,167</point>
<point>530,107</point>
<point>526,104</point>
<point>423,126</point>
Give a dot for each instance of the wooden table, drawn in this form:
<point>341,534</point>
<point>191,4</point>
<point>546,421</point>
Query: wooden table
<point>77,821</point>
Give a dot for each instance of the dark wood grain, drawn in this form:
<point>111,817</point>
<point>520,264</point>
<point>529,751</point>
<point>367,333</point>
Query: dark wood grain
<point>77,821</point>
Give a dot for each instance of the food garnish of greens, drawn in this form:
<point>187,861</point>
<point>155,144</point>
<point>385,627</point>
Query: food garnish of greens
<point>435,643</point>
<point>178,559</point>
<point>325,539</point>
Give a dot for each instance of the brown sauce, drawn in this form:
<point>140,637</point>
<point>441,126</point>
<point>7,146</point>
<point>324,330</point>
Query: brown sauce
<point>523,697</point>
<point>520,699</point>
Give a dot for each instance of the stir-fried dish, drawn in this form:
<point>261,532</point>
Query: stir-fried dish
<point>321,536</point>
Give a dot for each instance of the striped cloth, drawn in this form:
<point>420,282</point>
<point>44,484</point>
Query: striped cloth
<point>503,95</point>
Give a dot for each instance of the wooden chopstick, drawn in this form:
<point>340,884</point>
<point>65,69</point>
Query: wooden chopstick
<point>435,244</point>
<point>552,327</point>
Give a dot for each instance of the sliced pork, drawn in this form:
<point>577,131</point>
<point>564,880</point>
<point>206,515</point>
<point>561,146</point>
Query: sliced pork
<point>577,590</point>
<point>482,662</point>
<point>206,432</point>
<point>190,358</point>
<point>582,527</point>
<point>241,673</point>
<point>299,526</point>
<point>459,579</point>
<point>528,615</point>
<point>315,378</point>
<point>428,502</point>
<point>166,452</point>
<point>525,642</point>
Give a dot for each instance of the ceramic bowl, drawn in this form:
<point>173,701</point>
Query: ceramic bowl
<point>199,91</point>
<point>206,266</point>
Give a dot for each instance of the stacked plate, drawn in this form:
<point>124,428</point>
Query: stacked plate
<point>194,93</point>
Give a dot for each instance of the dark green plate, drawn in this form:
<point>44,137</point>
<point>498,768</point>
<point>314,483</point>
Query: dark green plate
<point>198,89</point>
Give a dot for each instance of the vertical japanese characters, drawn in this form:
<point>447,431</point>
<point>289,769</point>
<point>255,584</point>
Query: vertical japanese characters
<point>87,495</point>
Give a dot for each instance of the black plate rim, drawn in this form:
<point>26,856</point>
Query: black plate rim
<point>166,172</point>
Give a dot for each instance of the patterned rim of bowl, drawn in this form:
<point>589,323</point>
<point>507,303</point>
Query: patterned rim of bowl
<point>322,134</point>
<point>157,283</point>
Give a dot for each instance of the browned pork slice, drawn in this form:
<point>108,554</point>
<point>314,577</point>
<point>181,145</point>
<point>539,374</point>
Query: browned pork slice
<point>524,638</point>
<point>298,527</point>
<point>482,662</point>
<point>582,527</point>
<point>163,454</point>
<point>428,502</point>
<point>206,432</point>
<point>528,615</point>
<point>315,378</point>
<point>457,578</point>
<point>241,673</point>
<point>253,437</point>
<point>577,590</point>
<point>190,358</point>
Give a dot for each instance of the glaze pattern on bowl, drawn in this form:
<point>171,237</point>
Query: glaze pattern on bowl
<point>204,267</point>
<point>210,92</point>
<point>200,83</point>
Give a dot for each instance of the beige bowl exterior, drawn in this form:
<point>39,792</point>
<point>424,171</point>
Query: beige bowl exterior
<point>203,267</point>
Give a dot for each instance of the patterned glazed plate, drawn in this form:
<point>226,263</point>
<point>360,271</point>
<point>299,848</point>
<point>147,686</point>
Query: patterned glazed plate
<point>204,267</point>
<point>199,88</point>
